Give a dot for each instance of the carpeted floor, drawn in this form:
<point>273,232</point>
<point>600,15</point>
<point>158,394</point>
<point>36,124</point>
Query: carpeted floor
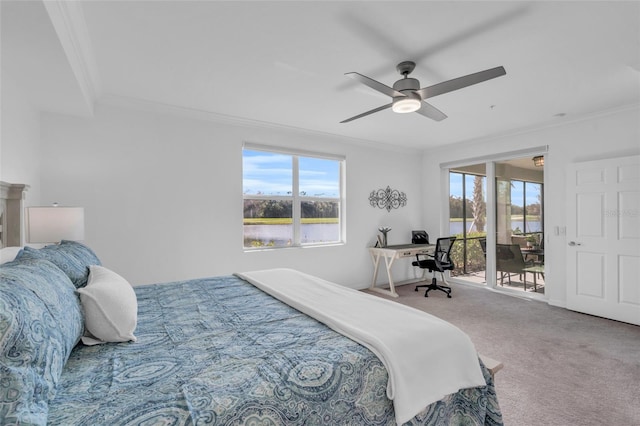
<point>560,367</point>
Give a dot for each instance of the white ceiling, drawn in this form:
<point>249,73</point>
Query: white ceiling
<point>283,62</point>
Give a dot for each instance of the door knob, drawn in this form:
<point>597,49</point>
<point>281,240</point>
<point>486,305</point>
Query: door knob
<point>573,243</point>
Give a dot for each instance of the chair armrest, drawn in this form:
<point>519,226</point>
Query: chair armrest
<point>425,255</point>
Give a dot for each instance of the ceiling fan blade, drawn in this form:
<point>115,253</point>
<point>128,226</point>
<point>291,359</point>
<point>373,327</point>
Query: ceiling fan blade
<point>432,112</point>
<point>375,85</point>
<point>460,82</point>
<point>367,113</point>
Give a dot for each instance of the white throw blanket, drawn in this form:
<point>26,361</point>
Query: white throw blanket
<point>426,358</point>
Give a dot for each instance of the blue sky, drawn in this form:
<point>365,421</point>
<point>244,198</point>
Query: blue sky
<point>270,173</point>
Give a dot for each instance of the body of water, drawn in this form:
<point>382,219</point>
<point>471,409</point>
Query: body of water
<point>282,235</point>
<point>532,226</point>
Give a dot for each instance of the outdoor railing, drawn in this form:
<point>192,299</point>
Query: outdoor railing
<point>467,253</point>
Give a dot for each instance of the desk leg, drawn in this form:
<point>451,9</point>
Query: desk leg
<point>388,263</point>
<point>376,262</point>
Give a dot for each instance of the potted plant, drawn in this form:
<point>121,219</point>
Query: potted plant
<point>532,241</point>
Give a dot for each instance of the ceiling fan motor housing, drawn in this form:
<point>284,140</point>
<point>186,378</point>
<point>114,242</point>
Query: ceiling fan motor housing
<point>406,84</point>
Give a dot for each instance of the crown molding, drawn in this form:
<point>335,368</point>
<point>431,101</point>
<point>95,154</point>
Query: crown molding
<point>69,24</point>
<point>538,128</point>
<point>153,107</point>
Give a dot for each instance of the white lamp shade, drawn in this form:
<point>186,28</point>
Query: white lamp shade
<point>54,224</point>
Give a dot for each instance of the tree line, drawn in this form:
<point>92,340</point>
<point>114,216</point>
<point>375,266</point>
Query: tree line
<point>258,209</point>
<point>455,208</point>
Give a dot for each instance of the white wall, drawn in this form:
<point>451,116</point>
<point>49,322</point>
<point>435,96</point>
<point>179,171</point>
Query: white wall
<point>163,195</point>
<point>610,135</point>
<point>19,140</point>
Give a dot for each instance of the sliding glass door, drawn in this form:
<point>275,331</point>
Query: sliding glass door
<point>519,226</point>
<point>514,217</point>
<point>467,220</point>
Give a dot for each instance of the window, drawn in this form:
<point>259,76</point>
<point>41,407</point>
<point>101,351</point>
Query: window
<point>526,207</point>
<point>290,198</point>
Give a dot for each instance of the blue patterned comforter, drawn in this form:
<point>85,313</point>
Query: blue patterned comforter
<point>220,351</point>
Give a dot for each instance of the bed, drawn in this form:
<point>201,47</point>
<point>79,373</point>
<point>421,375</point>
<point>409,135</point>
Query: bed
<point>216,350</point>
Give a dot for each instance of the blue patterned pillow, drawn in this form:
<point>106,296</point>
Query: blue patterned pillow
<point>70,256</point>
<point>40,323</point>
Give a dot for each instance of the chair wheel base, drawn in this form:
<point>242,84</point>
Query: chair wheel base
<point>434,286</point>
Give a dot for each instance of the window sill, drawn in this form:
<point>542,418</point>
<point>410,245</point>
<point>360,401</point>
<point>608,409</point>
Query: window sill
<point>304,246</point>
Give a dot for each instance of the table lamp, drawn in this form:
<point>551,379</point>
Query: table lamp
<point>54,224</point>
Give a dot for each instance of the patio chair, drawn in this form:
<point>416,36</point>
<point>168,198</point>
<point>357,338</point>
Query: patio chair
<point>509,261</point>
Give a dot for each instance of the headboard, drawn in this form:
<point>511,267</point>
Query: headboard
<point>12,213</point>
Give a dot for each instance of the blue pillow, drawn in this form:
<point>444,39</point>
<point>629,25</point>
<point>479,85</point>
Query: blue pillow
<point>40,323</point>
<point>70,256</point>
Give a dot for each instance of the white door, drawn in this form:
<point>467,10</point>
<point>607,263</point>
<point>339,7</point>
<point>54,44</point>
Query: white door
<point>603,238</point>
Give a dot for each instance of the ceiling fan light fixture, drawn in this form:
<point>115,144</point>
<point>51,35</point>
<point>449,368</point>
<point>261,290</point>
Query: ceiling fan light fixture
<point>405,105</point>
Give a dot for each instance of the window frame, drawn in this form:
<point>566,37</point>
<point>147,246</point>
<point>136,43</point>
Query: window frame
<point>525,183</point>
<point>296,198</point>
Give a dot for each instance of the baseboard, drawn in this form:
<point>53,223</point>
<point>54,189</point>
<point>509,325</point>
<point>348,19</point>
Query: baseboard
<point>558,303</point>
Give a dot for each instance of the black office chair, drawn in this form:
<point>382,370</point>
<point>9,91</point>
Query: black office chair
<point>440,261</point>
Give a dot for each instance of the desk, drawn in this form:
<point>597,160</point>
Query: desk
<point>390,254</point>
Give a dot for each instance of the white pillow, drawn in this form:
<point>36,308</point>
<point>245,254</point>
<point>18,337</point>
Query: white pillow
<point>110,307</point>
<point>8,254</point>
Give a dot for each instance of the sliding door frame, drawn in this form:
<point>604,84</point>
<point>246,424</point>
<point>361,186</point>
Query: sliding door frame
<point>490,170</point>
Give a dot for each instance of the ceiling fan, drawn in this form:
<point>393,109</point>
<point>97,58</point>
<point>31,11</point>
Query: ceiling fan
<point>409,97</point>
